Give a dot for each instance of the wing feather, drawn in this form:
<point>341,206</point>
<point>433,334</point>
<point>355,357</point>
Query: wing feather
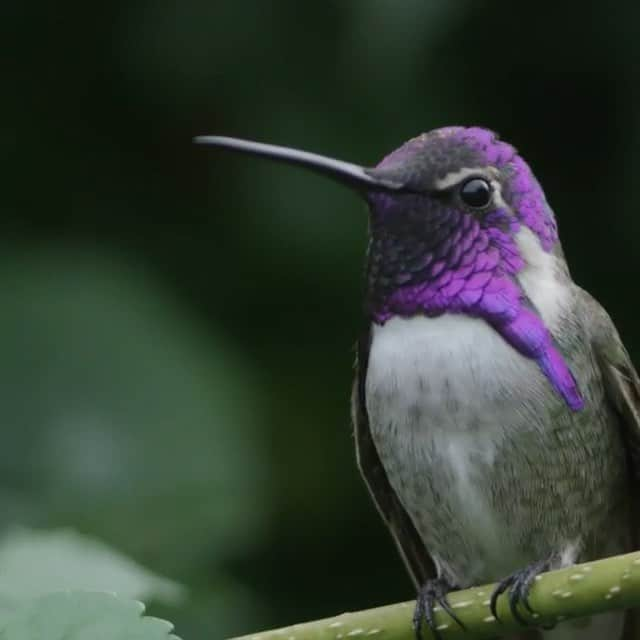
<point>413,552</point>
<point>619,376</point>
<point>622,387</point>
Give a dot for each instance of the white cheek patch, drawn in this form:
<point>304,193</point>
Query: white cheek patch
<point>539,278</point>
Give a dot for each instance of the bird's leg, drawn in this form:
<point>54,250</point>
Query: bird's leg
<point>517,587</point>
<point>434,592</point>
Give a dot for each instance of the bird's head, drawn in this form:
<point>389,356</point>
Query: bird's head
<point>455,216</point>
<point>458,224</point>
<point>469,219</point>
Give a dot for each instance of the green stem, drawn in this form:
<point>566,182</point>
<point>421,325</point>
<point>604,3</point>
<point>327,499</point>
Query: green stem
<point>578,591</point>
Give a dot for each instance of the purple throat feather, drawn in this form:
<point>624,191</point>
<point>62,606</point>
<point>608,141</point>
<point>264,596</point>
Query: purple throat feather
<point>472,262</point>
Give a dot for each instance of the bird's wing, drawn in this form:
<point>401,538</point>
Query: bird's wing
<point>622,384</point>
<point>417,559</point>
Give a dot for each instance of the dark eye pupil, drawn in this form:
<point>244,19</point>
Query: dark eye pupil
<point>476,192</point>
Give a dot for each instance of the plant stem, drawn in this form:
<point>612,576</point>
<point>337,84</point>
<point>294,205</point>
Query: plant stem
<point>575,592</point>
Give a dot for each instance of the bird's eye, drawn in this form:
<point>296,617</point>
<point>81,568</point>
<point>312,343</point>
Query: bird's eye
<point>476,192</point>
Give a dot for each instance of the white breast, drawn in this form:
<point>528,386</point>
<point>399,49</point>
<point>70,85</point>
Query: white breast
<point>434,388</point>
<point>447,388</point>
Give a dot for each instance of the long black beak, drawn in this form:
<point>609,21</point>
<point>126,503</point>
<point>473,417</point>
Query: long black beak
<point>351,174</point>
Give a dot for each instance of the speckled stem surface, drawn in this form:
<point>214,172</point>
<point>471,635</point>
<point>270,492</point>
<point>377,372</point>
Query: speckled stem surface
<point>579,591</point>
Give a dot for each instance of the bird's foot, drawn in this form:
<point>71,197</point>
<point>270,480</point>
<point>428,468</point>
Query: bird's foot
<point>517,586</point>
<point>434,592</point>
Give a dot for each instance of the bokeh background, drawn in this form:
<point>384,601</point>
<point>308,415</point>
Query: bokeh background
<point>176,323</point>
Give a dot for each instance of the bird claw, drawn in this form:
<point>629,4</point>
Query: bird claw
<point>433,592</point>
<point>517,586</point>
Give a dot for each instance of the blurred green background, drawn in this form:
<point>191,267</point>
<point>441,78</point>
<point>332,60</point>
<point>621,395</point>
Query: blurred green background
<point>177,323</point>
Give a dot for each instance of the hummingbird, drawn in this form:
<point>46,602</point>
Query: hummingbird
<point>496,411</point>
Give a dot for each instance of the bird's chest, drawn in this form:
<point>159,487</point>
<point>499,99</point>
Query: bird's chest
<point>452,380</point>
<point>445,397</point>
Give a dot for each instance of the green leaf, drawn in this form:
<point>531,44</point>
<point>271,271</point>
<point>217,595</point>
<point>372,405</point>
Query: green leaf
<point>33,563</point>
<point>128,418</point>
<point>83,616</point>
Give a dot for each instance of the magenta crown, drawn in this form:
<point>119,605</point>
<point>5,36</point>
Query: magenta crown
<point>428,255</point>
